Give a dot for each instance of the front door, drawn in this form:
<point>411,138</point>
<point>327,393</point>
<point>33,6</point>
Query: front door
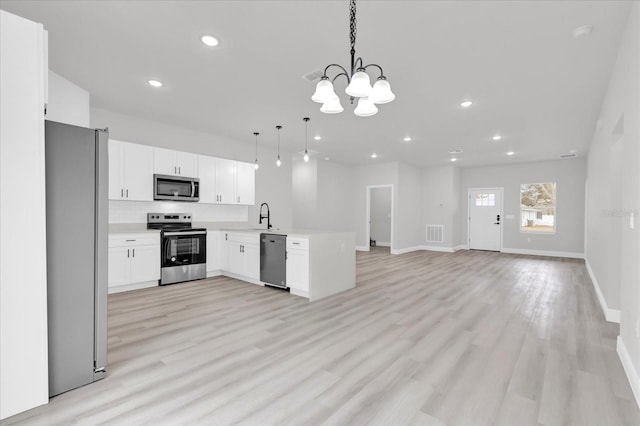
<point>485,219</point>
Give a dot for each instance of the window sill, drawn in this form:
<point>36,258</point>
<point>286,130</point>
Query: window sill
<point>538,232</point>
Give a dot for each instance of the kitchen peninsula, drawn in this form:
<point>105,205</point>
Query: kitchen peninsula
<point>318,263</point>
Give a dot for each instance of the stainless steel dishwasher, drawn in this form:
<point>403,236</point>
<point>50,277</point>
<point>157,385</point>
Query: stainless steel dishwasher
<point>273,260</point>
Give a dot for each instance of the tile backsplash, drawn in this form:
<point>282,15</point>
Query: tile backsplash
<point>136,211</point>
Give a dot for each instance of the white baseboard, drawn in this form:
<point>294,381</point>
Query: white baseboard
<point>611,315</point>
<point>211,274</point>
<point>629,369</point>
<point>461,247</point>
<point>568,254</point>
<point>438,248</point>
<point>362,248</point>
<point>134,286</point>
<point>406,250</point>
<point>383,244</point>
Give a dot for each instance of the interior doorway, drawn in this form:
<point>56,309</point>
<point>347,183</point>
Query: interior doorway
<point>379,219</point>
<point>485,219</point>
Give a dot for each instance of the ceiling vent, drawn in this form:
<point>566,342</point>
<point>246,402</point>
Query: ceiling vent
<point>570,155</point>
<point>313,76</point>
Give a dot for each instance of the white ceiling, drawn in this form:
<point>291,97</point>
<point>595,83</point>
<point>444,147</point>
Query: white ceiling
<point>531,81</point>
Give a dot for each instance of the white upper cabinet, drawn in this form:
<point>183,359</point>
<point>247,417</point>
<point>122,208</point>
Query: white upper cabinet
<point>226,181</point>
<point>207,176</point>
<point>245,183</point>
<point>130,171</point>
<point>174,163</point>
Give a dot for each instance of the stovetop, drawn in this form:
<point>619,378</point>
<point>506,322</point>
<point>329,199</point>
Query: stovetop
<point>170,222</point>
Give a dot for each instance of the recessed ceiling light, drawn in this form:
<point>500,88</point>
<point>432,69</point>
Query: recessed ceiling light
<point>466,104</point>
<point>155,83</point>
<point>209,40</point>
<point>317,138</point>
<point>510,153</point>
<point>327,158</point>
<point>374,155</point>
<point>407,139</point>
<point>453,160</point>
<point>583,31</point>
<point>496,137</point>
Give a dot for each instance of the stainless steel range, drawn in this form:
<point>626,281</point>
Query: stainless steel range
<point>184,249</point>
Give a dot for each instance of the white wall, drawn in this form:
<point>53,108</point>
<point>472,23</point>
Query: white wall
<point>569,176</point>
<point>380,215</point>
<point>409,229</point>
<point>305,193</point>
<point>23,274</point>
<point>613,246</point>
<point>273,184</point>
<point>440,201</point>
<point>335,196</point>
<point>322,196</point>
<point>68,103</point>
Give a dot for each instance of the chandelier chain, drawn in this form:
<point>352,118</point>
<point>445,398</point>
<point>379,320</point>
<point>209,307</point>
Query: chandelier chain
<point>352,24</point>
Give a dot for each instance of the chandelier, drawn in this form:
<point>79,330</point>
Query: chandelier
<point>359,84</point>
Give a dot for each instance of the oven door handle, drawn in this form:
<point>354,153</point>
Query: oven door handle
<point>184,233</point>
<point>193,189</point>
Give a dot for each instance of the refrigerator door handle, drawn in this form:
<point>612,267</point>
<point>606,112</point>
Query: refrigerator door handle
<point>101,253</point>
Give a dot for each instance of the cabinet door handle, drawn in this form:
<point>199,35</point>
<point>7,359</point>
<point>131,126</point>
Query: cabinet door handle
<point>129,241</point>
<point>127,193</point>
<point>127,253</point>
<point>179,170</point>
<point>134,252</point>
<point>175,170</point>
<point>121,193</point>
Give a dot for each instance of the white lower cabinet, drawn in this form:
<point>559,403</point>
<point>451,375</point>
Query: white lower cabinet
<point>214,251</point>
<point>243,254</point>
<point>134,261</point>
<point>298,265</point>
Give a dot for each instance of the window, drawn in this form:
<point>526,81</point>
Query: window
<point>485,200</point>
<point>538,207</point>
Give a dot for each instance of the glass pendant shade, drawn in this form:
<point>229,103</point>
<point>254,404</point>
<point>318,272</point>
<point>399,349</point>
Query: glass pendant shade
<point>381,93</point>
<point>360,85</point>
<point>256,165</point>
<point>306,156</point>
<point>278,162</point>
<point>332,106</point>
<point>324,91</point>
<point>365,108</point>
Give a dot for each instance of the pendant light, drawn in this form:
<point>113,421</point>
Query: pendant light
<point>278,162</point>
<point>256,165</point>
<point>358,81</point>
<point>306,139</point>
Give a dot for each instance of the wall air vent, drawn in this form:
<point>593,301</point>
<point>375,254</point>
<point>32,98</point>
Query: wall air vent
<point>435,233</point>
<point>455,151</point>
<point>570,155</point>
<point>313,76</point>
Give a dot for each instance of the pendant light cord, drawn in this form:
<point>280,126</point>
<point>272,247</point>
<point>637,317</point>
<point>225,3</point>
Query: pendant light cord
<point>256,135</point>
<point>278,129</point>
<point>306,134</point>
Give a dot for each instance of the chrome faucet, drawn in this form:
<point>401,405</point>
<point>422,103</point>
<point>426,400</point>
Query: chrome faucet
<point>268,216</point>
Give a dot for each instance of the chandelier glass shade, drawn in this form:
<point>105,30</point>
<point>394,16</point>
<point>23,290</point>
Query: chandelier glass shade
<point>358,82</point>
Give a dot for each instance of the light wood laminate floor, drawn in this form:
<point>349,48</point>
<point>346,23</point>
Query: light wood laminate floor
<point>426,338</point>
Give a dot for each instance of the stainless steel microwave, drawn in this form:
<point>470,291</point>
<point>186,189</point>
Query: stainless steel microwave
<point>175,188</point>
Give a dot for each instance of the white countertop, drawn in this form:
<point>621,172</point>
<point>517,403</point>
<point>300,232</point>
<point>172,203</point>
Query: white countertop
<point>137,228</point>
<point>130,228</point>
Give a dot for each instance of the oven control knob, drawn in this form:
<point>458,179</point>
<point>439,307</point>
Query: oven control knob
<point>173,259</point>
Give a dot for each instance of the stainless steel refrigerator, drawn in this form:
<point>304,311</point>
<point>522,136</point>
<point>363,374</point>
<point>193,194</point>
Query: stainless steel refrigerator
<point>76,164</point>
